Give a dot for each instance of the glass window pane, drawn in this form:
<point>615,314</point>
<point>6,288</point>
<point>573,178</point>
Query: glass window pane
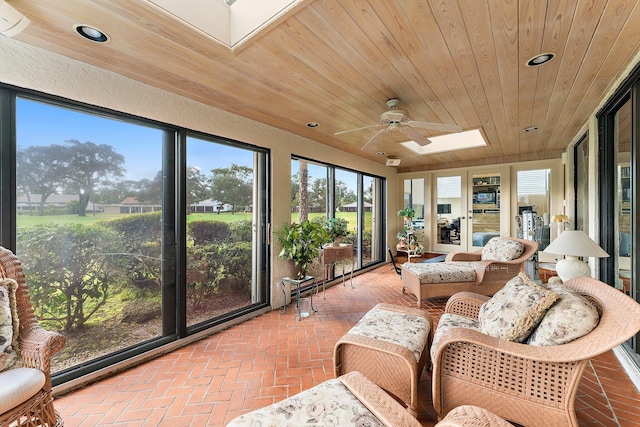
<point>449,209</point>
<point>89,234</point>
<point>220,190</point>
<point>624,203</point>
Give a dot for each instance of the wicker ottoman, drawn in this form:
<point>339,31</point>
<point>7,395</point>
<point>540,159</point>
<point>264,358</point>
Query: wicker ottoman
<point>351,400</point>
<point>388,347</point>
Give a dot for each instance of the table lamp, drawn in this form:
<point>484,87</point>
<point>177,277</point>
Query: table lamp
<point>573,244</point>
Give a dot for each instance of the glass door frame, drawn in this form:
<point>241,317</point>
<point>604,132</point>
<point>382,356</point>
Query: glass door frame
<point>607,189</point>
<point>466,227</point>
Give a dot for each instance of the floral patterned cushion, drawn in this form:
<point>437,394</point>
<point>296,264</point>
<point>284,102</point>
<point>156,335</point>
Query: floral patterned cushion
<point>8,325</point>
<point>448,321</point>
<point>571,317</point>
<point>405,330</point>
<point>443,272</point>
<point>513,312</point>
<point>501,249</point>
<point>328,404</point>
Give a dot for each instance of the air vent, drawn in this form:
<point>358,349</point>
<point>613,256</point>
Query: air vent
<point>393,161</point>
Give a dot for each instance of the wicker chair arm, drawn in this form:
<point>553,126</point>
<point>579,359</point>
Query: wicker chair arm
<point>465,304</point>
<point>38,345</point>
<point>382,405</point>
<point>464,256</point>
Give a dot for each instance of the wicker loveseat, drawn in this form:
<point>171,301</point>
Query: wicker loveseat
<point>527,384</point>
<point>25,392</point>
<point>467,271</point>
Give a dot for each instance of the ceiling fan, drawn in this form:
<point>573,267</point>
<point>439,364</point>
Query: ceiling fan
<point>395,119</point>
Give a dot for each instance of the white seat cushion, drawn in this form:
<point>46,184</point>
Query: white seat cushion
<point>449,321</point>
<point>18,385</point>
<point>443,272</point>
<point>406,330</point>
<point>329,403</point>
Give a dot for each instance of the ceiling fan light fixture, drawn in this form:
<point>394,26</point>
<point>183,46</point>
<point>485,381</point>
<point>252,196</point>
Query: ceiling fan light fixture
<point>91,33</point>
<point>540,59</point>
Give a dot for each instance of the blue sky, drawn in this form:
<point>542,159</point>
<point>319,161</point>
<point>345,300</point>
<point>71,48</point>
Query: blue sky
<point>42,124</point>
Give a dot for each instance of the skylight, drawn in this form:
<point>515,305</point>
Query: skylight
<point>228,21</point>
<point>450,142</point>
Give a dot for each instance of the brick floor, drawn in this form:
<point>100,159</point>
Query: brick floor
<point>273,356</point>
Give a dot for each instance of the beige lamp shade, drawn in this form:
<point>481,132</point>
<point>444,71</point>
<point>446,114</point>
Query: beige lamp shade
<point>573,244</point>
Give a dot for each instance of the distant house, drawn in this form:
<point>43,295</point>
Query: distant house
<point>58,203</point>
<point>210,205</point>
<point>353,207</point>
<point>130,205</point>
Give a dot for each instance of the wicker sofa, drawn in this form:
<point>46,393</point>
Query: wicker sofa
<point>25,394</point>
<point>466,271</point>
<point>527,384</point>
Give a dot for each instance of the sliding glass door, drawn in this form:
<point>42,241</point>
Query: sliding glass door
<point>132,233</point>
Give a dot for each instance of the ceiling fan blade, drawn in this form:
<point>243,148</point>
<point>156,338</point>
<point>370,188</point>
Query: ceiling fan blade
<point>374,138</point>
<point>353,130</point>
<point>435,126</point>
<point>415,135</point>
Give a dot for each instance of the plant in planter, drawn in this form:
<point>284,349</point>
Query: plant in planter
<point>337,229</point>
<point>408,213</point>
<point>301,243</point>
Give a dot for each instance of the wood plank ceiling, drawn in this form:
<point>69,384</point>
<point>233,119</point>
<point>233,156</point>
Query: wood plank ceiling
<point>336,62</point>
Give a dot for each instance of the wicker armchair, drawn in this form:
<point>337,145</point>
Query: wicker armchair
<point>36,348</point>
<point>529,385</point>
<point>490,276</point>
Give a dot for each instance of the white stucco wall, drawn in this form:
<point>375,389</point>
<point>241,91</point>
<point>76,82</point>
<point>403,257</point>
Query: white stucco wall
<point>29,67</point>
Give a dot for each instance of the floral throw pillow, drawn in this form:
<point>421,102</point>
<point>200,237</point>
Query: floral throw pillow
<point>501,249</point>
<point>515,310</point>
<point>571,317</point>
<point>8,324</point>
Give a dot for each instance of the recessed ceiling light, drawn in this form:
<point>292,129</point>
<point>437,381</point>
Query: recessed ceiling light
<point>313,124</point>
<point>530,128</point>
<point>91,33</point>
<point>380,153</point>
<point>543,58</point>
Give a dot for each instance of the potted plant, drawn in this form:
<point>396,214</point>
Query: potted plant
<point>408,213</point>
<point>337,229</point>
<point>301,243</point>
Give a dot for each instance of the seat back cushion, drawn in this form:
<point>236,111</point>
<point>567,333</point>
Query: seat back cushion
<point>501,249</point>
<point>515,310</point>
<point>569,318</point>
<point>8,324</point>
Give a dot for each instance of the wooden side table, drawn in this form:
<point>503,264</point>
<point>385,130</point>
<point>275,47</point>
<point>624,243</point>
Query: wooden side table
<point>331,255</point>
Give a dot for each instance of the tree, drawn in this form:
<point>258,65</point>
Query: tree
<point>70,270</point>
<point>151,191</point>
<point>197,186</point>
<point>89,164</point>
<point>232,185</point>
<point>303,197</point>
<point>41,170</point>
<point>318,194</point>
